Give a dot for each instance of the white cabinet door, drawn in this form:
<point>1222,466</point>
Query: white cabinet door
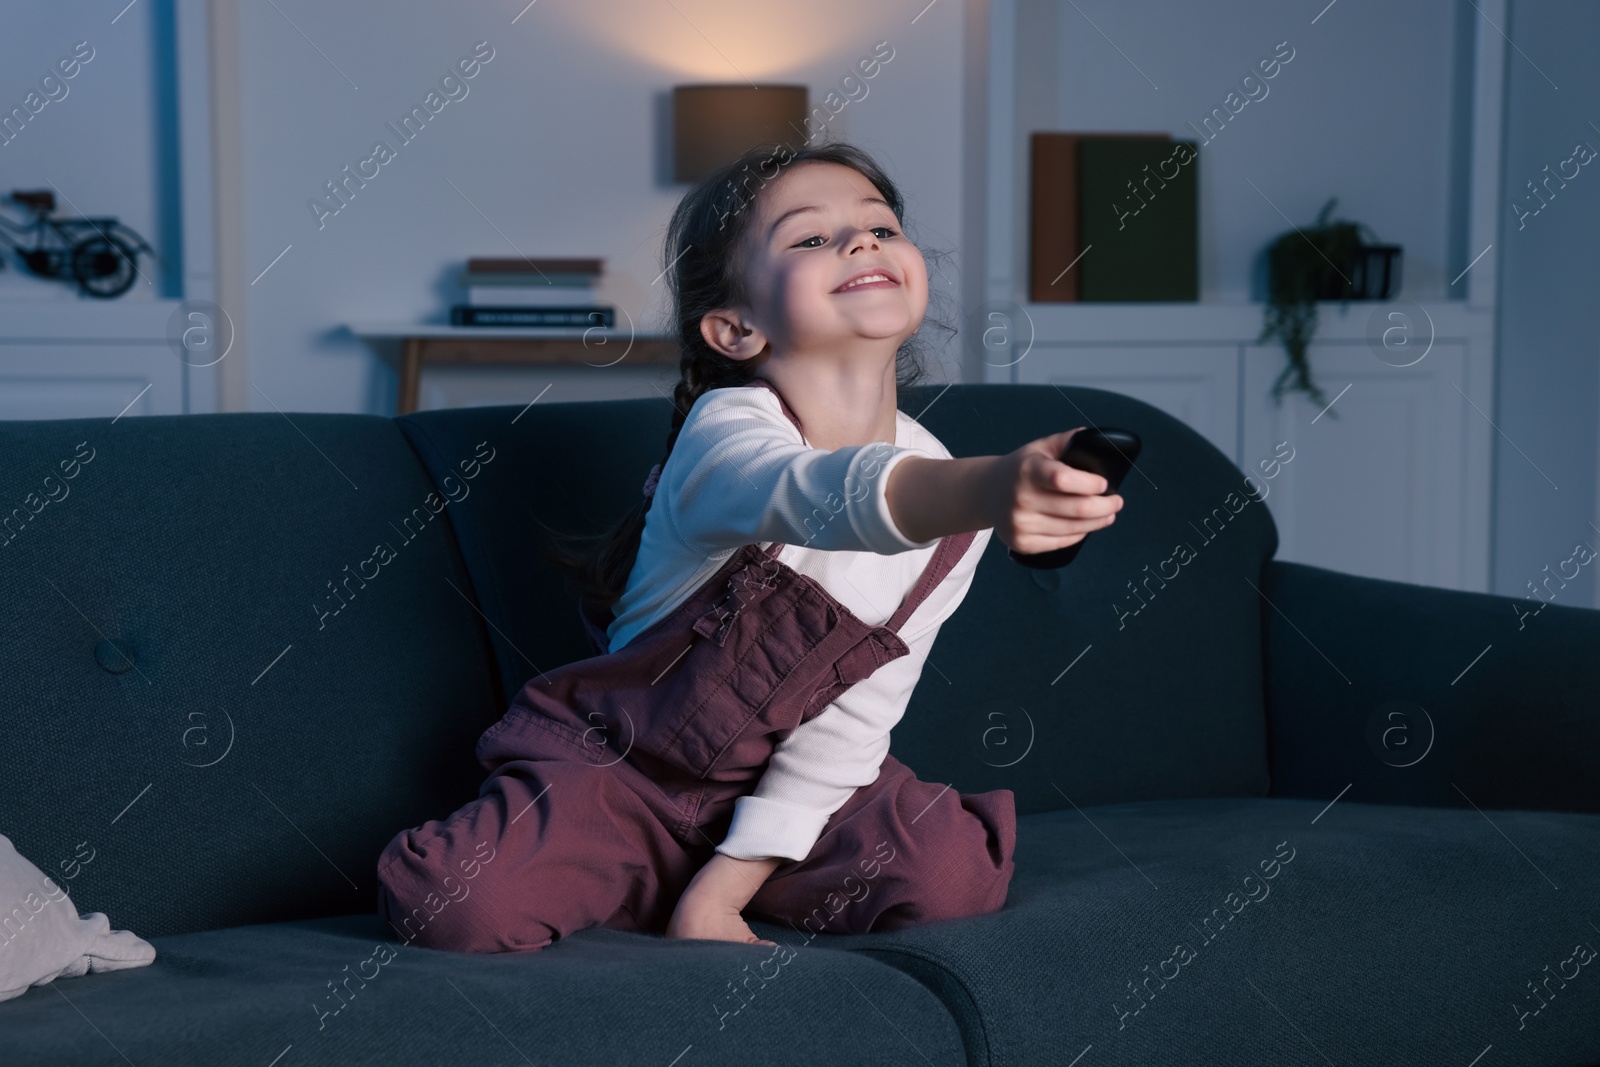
<point>1377,484</point>
<point>1198,385</point>
<point>89,381</point>
<point>90,359</point>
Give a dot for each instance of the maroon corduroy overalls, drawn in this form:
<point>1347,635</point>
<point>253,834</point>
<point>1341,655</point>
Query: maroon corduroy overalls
<point>613,778</point>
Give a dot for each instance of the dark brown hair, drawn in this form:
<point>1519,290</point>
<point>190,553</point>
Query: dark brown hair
<point>704,258</point>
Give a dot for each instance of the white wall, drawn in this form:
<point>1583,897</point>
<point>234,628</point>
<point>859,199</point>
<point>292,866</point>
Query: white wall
<point>560,146</point>
<point>1547,397</point>
<point>105,145</point>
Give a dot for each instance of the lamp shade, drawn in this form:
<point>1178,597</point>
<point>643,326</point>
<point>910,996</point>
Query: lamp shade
<point>713,124</point>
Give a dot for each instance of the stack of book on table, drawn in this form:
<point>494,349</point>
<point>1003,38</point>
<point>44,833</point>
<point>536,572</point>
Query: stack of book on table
<point>554,293</point>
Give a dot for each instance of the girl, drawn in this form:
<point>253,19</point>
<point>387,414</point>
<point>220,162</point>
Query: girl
<point>761,617</point>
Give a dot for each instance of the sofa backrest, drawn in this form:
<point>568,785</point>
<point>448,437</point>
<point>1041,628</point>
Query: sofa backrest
<point>1133,673</point>
<point>237,657</point>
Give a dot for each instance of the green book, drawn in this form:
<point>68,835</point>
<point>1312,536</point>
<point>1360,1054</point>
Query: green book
<point>1138,220</point>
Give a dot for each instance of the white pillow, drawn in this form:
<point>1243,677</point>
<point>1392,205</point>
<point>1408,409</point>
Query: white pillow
<point>42,937</point>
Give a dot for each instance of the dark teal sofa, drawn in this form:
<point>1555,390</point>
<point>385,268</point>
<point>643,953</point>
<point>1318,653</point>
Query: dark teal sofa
<point>1269,813</point>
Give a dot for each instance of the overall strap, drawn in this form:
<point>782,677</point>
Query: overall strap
<point>945,557</point>
<point>787,410</point>
<point>951,548</point>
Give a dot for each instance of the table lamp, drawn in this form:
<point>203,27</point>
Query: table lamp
<point>713,124</point>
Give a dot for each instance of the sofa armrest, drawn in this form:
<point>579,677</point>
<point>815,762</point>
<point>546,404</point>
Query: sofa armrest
<point>1411,694</point>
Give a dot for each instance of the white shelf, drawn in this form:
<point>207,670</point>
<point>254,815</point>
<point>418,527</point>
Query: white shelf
<point>396,330</point>
<point>85,321</point>
<point>1211,323</point>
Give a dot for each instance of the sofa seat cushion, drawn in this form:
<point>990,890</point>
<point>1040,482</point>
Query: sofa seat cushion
<point>1271,932</point>
<point>250,994</point>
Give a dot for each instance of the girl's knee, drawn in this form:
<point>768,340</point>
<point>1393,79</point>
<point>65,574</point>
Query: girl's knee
<point>459,918</point>
<point>439,895</point>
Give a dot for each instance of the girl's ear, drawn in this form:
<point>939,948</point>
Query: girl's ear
<point>731,334</point>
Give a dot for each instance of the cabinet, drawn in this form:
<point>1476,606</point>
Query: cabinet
<point>1390,478</point>
<point>1197,384</point>
<point>1384,489</point>
<point>97,359</point>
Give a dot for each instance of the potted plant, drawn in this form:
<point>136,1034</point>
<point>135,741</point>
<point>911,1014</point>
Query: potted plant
<point>1329,261</point>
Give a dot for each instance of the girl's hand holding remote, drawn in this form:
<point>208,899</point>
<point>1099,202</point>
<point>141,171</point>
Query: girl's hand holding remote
<point>1042,504</point>
<point>1034,502</point>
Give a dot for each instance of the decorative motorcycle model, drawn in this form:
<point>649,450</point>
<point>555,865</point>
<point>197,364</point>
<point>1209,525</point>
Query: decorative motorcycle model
<point>100,254</point>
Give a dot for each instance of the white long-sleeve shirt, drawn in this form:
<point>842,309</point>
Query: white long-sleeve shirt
<point>741,473</point>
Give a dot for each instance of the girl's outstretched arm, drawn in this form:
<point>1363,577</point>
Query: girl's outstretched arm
<point>739,474</point>
<point>1034,502</point>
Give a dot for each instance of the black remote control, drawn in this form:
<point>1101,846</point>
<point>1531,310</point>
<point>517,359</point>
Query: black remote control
<point>1106,451</point>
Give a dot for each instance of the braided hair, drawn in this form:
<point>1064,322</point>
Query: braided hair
<point>704,254</point>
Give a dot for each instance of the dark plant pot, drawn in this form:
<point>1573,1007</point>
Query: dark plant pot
<point>1374,273</point>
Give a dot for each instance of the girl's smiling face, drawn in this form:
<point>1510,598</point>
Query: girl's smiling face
<point>818,228</point>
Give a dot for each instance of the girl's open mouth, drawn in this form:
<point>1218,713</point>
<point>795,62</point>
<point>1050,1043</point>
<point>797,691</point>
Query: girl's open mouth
<point>868,279</point>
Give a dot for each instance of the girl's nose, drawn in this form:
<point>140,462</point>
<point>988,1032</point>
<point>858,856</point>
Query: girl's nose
<point>862,239</point>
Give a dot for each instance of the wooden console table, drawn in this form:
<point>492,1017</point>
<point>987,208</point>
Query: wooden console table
<point>485,345</point>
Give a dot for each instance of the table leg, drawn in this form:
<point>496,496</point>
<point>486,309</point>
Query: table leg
<point>410,375</point>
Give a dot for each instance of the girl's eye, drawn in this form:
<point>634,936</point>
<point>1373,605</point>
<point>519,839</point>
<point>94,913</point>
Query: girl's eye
<point>887,233</point>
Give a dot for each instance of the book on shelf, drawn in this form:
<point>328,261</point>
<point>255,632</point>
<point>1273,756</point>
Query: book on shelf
<point>567,317</point>
<point>1138,213</point>
<point>1055,271</point>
